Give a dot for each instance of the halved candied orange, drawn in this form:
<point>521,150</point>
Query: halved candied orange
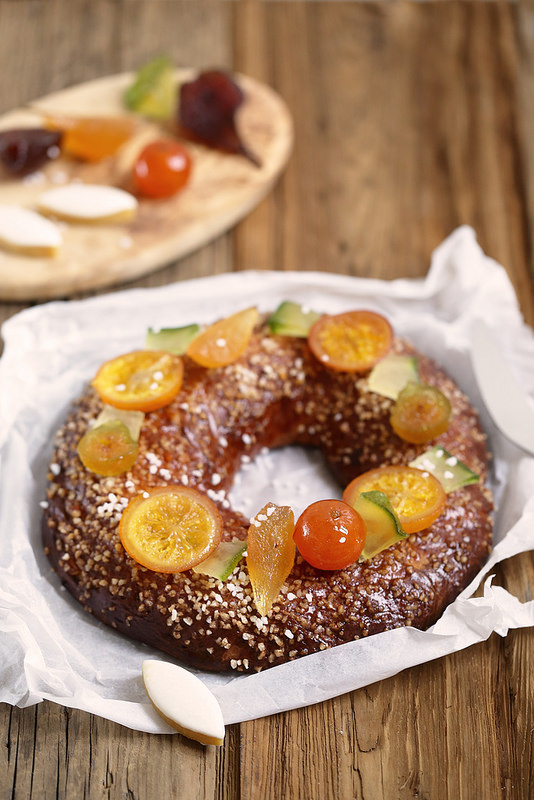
<point>270,553</point>
<point>143,380</point>
<point>351,342</point>
<point>225,341</point>
<point>417,497</point>
<point>108,449</point>
<point>421,412</point>
<point>170,529</point>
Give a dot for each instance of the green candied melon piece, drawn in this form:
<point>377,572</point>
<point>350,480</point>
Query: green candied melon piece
<point>391,374</point>
<point>223,560</point>
<point>447,468</point>
<point>153,92</point>
<point>381,523</point>
<point>172,340</point>
<point>290,319</point>
<point>133,420</point>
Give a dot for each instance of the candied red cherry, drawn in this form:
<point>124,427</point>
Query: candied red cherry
<point>330,534</point>
<point>25,150</point>
<point>162,169</point>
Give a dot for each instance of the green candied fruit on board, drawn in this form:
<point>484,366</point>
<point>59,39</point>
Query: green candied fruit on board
<point>153,92</point>
<point>447,468</point>
<point>172,340</point>
<point>381,523</point>
<point>223,561</point>
<point>291,319</point>
<point>392,374</point>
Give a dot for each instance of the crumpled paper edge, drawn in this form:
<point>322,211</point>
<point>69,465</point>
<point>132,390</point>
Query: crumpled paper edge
<point>471,292</point>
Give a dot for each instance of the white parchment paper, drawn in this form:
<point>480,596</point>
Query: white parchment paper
<point>51,649</point>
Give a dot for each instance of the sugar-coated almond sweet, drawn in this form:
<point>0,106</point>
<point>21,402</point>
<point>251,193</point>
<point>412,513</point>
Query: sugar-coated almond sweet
<point>25,232</point>
<point>90,203</point>
<point>183,701</point>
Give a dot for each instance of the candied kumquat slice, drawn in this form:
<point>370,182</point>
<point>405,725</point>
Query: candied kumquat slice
<point>417,497</point>
<point>421,412</point>
<point>170,529</point>
<point>225,341</point>
<point>270,553</point>
<point>143,380</point>
<point>108,449</point>
<point>351,342</point>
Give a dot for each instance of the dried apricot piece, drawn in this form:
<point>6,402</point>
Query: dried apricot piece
<point>270,553</point>
<point>92,138</point>
<point>225,341</point>
<point>170,529</point>
<point>351,342</point>
<point>143,380</point>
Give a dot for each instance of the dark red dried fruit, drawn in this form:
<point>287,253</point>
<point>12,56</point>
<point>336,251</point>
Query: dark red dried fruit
<point>24,150</point>
<point>207,109</point>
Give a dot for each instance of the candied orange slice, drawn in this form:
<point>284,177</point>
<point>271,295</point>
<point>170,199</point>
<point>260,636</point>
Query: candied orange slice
<point>224,341</point>
<point>417,497</point>
<point>143,380</point>
<point>92,138</point>
<point>270,553</point>
<point>108,449</point>
<point>350,342</point>
<point>170,529</point>
<point>421,412</point>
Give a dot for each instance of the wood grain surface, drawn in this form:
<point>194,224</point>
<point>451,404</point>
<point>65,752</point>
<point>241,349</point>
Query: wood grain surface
<point>410,119</point>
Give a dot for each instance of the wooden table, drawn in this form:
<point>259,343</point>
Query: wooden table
<point>410,120</point>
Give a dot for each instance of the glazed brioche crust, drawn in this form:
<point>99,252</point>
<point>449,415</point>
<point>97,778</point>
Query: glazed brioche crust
<point>278,393</point>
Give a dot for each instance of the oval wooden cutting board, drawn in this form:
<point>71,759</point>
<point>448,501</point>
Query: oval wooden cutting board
<point>222,190</point>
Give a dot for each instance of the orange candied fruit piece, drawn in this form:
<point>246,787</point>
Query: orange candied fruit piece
<point>108,449</point>
<point>92,138</point>
<point>417,497</point>
<point>143,380</point>
<point>350,342</point>
<point>421,412</point>
<point>225,341</point>
<point>270,553</point>
<point>170,529</point>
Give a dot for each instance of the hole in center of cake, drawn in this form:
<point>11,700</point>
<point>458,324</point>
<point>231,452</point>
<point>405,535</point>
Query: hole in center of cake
<point>289,476</point>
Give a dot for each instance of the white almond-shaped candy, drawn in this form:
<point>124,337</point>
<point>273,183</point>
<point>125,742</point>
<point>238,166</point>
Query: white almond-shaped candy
<point>184,702</point>
<point>28,233</point>
<point>81,202</point>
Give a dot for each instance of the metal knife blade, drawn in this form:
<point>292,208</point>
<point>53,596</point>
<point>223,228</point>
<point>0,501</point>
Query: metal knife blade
<point>501,391</point>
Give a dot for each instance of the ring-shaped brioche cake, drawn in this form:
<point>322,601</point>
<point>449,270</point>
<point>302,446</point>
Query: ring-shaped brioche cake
<point>277,393</point>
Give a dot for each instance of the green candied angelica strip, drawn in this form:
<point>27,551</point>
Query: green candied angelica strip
<point>223,561</point>
<point>392,373</point>
<point>381,523</point>
<point>290,319</point>
<point>153,92</point>
<point>448,469</point>
<point>172,340</point>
